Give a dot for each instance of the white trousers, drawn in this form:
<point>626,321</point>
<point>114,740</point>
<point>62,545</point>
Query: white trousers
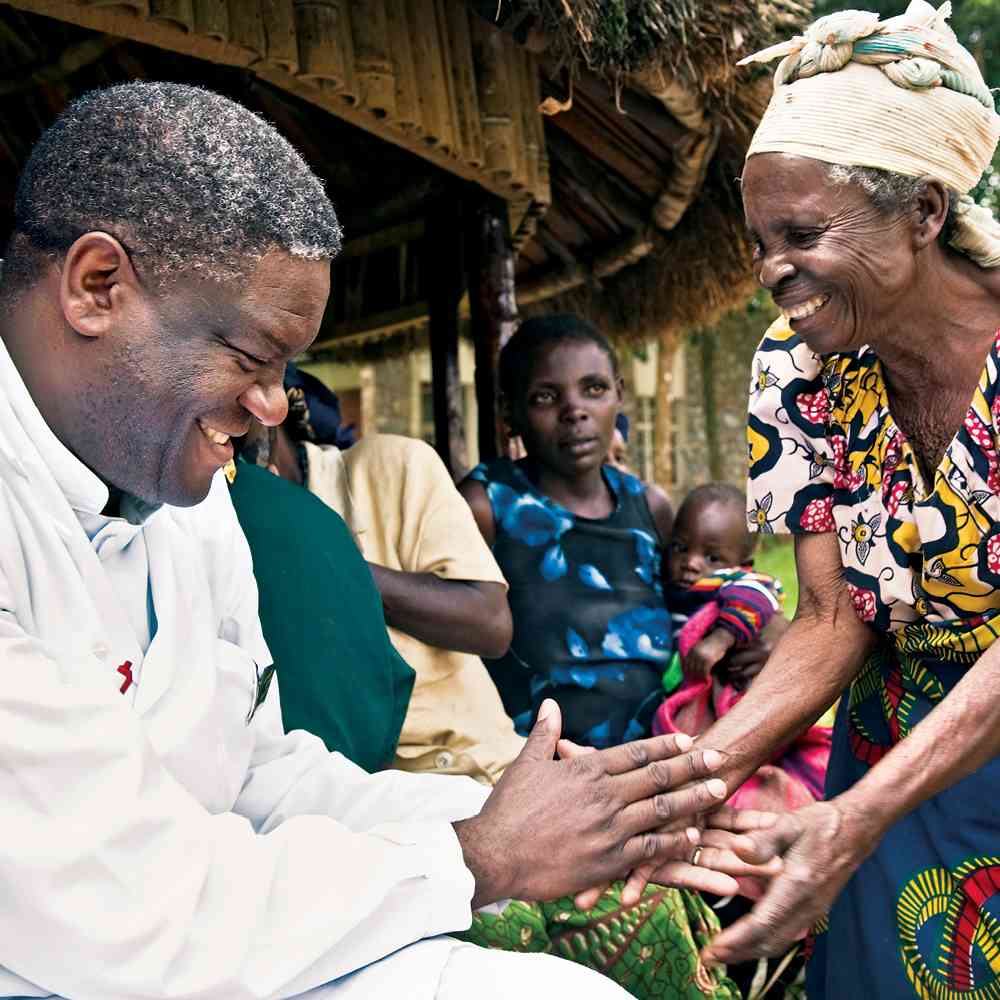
<point>485,974</point>
<point>473,973</point>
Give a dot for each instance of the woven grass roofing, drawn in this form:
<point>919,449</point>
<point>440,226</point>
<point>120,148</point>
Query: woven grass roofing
<point>659,79</point>
<point>625,203</point>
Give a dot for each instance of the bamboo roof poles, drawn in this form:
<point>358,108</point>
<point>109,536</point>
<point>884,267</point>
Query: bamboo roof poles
<point>404,70</point>
<point>622,204</point>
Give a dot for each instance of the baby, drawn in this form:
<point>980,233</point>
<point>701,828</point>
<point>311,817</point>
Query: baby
<point>715,599</point>
<point>717,604</point>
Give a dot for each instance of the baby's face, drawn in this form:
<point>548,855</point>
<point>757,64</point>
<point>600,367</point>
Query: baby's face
<point>706,538</point>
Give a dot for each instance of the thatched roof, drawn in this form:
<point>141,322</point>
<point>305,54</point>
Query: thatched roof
<point>659,78</point>
<point>623,204</point>
<point>644,233</point>
<point>694,42</point>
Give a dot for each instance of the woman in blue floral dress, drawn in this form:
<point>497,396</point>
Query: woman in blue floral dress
<point>579,542</point>
<point>580,545</point>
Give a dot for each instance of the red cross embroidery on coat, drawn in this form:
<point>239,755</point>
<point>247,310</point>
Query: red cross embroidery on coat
<point>126,671</point>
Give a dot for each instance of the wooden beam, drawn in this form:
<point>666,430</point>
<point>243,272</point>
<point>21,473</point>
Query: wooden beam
<point>587,203</point>
<point>492,305</point>
<point>393,236</point>
<point>650,114</point>
<point>14,38</point>
<point>572,160</point>
<point>633,163</point>
<point>555,247</point>
<point>607,264</point>
<point>71,59</point>
<point>445,285</point>
<point>374,327</point>
<point>396,208</point>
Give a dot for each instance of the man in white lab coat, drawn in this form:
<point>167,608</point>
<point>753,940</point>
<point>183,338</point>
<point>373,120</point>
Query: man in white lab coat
<point>162,837</point>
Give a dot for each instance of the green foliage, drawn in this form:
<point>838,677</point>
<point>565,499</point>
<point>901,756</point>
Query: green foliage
<point>614,36</point>
<point>987,191</point>
<point>776,556</point>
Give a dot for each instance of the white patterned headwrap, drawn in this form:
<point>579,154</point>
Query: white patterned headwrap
<point>901,95</point>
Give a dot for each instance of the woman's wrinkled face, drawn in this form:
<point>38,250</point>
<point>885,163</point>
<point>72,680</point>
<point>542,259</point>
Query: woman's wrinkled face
<point>836,266</point>
<point>565,413</point>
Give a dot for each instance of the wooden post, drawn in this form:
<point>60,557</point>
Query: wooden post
<point>663,454</point>
<point>445,285</point>
<point>709,401</point>
<point>492,307</point>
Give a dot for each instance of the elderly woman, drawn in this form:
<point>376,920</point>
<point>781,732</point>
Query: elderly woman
<point>874,423</point>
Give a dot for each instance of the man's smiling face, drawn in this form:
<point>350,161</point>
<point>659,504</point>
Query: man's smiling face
<point>189,367</point>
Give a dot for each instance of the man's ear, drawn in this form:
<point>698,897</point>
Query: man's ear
<point>96,277</point>
<point>620,387</point>
<point>931,214</point>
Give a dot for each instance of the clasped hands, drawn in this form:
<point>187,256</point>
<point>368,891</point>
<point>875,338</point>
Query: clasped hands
<point>560,827</point>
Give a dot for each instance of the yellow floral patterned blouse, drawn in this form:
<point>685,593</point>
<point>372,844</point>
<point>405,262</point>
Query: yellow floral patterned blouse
<point>921,560</point>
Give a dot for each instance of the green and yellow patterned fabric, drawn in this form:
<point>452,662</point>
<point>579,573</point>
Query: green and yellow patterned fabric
<point>650,949</point>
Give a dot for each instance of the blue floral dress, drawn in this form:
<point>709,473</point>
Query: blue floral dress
<point>590,626</point>
<point>921,916</point>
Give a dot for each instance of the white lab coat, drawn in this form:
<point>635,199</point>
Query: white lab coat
<point>157,844</point>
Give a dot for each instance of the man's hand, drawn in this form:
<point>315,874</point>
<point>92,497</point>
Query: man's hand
<point>713,864</point>
<point>820,847</point>
<point>552,828</point>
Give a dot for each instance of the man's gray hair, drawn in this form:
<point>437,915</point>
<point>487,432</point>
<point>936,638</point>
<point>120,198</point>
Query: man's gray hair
<point>892,193</point>
<point>188,181</point>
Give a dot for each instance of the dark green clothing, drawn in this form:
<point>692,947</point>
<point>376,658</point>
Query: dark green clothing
<point>340,677</point>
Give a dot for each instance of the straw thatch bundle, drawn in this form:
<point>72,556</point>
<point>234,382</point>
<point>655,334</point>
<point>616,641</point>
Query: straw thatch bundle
<point>684,54</point>
<point>697,272</point>
<point>695,42</point>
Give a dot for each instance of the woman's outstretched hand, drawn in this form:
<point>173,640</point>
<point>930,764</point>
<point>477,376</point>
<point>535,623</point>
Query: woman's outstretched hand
<point>714,865</point>
<point>723,860</point>
<point>818,848</point>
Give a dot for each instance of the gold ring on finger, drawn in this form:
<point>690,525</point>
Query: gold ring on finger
<point>696,856</point>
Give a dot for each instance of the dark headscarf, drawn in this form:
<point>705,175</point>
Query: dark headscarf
<point>314,411</point>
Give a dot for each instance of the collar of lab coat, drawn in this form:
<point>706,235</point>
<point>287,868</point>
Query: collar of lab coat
<point>38,446</point>
<point>208,634</point>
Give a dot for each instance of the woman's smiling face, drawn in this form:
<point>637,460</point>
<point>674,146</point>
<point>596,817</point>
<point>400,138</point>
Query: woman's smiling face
<point>836,266</point>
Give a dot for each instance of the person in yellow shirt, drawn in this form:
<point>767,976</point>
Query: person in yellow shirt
<point>444,595</point>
